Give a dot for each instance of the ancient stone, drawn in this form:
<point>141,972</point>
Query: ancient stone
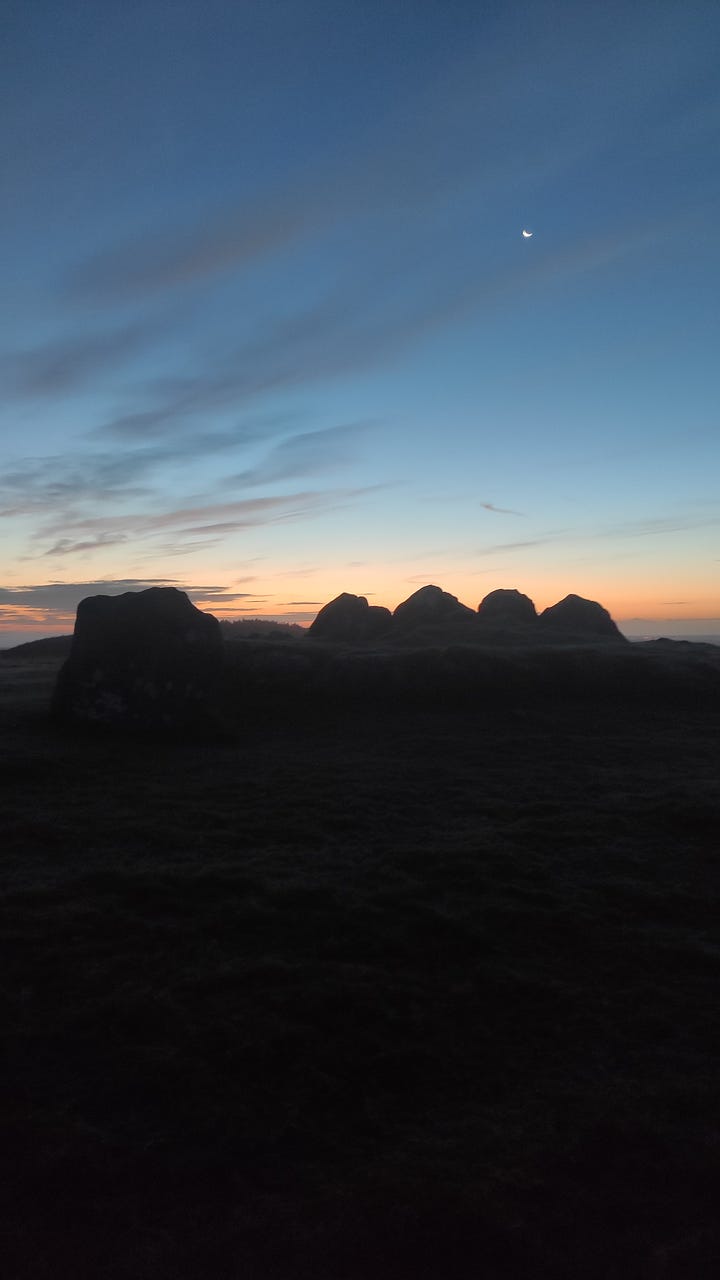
<point>350,618</point>
<point>575,617</point>
<point>142,660</point>
<point>431,607</point>
<point>507,609</point>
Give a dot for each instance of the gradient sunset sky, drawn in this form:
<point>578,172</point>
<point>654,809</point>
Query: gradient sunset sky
<point>271,330</point>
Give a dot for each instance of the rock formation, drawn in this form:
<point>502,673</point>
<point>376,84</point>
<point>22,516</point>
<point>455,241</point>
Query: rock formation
<point>350,618</point>
<point>143,660</point>
<point>579,619</point>
<point>507,610</point>
<point>433,616</point>
<point>431,607</point>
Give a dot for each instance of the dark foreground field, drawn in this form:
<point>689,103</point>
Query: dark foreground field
<point>427,994</point>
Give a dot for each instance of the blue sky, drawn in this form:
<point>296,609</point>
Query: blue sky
<point>271,331</point>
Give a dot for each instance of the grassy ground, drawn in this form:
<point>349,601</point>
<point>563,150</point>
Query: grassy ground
<point>427,995</point>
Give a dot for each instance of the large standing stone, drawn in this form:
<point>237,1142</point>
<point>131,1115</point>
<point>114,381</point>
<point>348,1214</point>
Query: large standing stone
<point>577,618</point>
<point>431,607</point>
<point>350,618</point>
<point>507,609</point>
<point>142,660</point>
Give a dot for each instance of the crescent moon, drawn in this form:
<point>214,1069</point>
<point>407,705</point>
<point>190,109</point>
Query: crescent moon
<point>527,234</point>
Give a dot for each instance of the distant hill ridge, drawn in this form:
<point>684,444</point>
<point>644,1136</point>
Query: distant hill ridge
<point>49,647</point>
<point>238,629</point>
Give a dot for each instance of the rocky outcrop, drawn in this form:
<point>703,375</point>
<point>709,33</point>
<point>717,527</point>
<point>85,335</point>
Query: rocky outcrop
<point>350,618</point>
<point>577,619</point>
<point>430,607</point>
<point>146,660</point>
<point>507,609</point>
<point>433,616</point>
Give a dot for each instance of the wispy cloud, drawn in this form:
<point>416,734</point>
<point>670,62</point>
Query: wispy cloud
<point>368,320</point>
<point>170,257</point>
<point>501,511</point>
<point>83,502</point>
<point>65,596</point>
<point>461,123</point>
<point>66,546</point>
<point>496,548</point>
<point>657,526</point>
<point>177,401</point>
<point>307,453</point>
<point>645,527</point>
<point>66,364</point>
<point>177,549</point>
<point>383,173</point>
<point>347,332</point>
<point>37,485</point>
<point>195,521</point>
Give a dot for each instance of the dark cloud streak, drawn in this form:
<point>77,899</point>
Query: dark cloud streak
<point>65,480</point>
<point>435,139</point>
<point>169,258</point>
<point>64,365</point>
<point>66,547</point>
<point>189,522</point>
<point>307,453</point>
<point>366,323</point>
<point>500,511</point>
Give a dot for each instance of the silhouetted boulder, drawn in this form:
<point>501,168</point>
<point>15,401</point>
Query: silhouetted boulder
<point>507,609</point>
<point>145,660</point>
<point>430,607</point>
<point>350,618</point>
<point>577,618</point>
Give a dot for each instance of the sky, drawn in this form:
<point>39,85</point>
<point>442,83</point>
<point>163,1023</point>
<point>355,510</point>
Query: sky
<point>270,329</point>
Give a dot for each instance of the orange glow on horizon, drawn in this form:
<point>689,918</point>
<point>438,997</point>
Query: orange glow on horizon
<point>278,596</point>
<point>24,618</point>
